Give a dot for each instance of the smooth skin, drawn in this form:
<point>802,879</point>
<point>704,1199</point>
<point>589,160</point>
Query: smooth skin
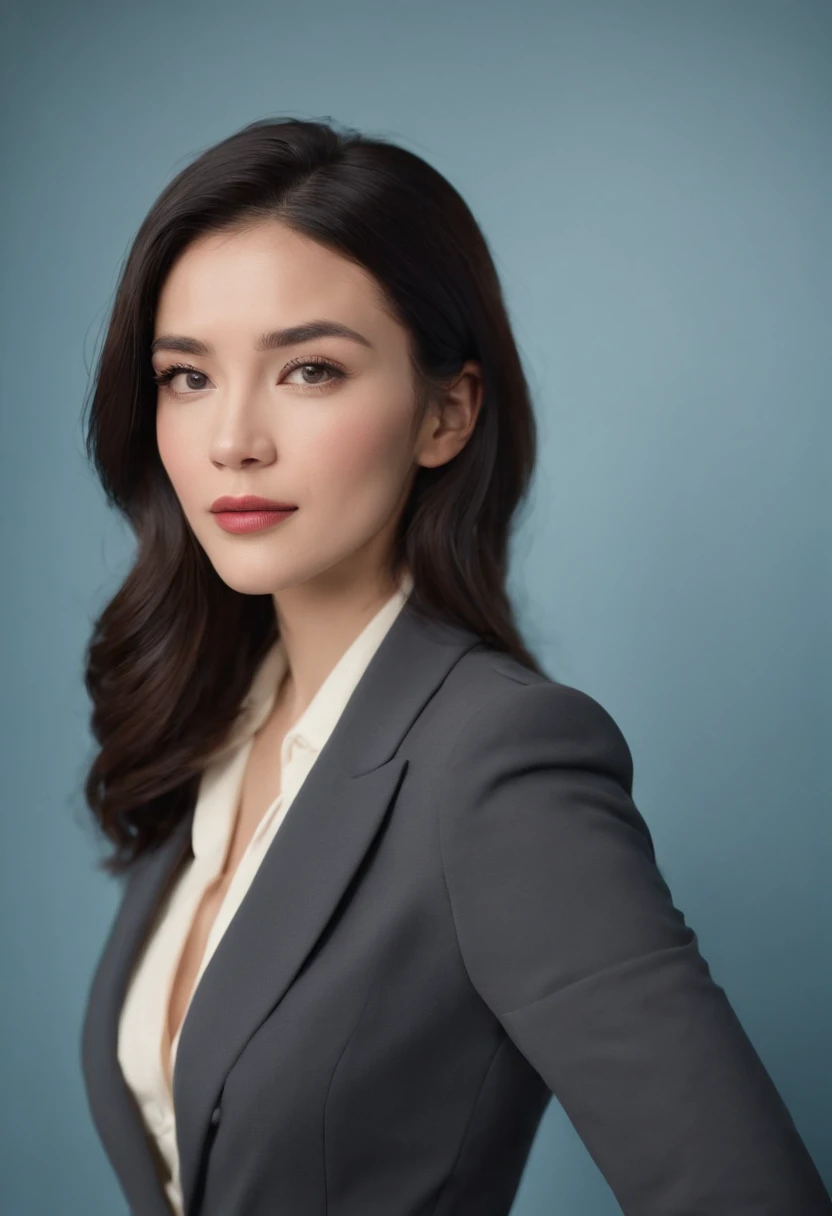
<point>344,448</point>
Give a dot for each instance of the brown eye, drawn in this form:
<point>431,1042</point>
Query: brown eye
<point>169,374</point>
<point>189,379</point>
<point>316,366</point>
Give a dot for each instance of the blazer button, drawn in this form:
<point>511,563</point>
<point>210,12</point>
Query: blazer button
<point>215,1116</point>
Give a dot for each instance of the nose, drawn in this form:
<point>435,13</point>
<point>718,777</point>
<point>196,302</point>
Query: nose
<point>243,434</point>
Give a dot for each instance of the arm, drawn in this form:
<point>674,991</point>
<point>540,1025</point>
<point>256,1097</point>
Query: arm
<point>570,934</point>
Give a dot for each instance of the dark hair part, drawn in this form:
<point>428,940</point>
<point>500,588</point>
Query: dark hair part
<point>173,653</point>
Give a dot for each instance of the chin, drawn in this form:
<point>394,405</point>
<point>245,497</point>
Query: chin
<point>255,569</point>
<point>252,581</point>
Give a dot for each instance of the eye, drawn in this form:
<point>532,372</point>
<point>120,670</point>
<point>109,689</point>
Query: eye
<point>316,365</point>
<point>165,377</point>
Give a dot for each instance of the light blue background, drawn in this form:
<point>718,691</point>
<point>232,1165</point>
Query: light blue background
<point>654,181</point>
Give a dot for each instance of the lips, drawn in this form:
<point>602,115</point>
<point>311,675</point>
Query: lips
<point>250,502</point>
<point>249,514</point>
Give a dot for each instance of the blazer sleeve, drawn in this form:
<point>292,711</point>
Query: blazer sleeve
<point>569,933</point>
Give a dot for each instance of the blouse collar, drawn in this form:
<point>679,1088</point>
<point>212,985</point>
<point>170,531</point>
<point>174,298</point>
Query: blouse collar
<point>316,723</point>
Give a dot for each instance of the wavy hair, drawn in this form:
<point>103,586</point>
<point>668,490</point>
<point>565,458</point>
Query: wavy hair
<point>173,653</point>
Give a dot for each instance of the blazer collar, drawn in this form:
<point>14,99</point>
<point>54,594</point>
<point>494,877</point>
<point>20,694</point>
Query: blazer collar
<point>316,722</point>
<point>344,796</point>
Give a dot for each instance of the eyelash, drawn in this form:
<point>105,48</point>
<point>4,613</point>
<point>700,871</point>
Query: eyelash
<point>163,378</point>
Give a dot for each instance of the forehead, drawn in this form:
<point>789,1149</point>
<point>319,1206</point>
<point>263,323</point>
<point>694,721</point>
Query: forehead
<point>269,273</point>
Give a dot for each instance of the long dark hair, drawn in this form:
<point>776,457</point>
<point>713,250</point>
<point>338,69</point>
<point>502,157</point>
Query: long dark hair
<point>173,653</point>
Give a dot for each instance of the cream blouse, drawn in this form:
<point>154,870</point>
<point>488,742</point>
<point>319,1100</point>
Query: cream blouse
<point>144,1013</point>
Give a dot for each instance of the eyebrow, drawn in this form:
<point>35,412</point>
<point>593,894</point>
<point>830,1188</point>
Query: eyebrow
<point>273,340</point>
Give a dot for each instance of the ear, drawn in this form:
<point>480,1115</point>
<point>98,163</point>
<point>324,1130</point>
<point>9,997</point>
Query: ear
<point>450,419</point>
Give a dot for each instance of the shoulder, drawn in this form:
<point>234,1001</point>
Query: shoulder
<point>508,714</point>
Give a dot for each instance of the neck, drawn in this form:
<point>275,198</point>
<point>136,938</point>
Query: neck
<point>318,621</point>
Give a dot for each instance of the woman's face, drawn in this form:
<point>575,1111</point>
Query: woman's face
<point>325,423</point>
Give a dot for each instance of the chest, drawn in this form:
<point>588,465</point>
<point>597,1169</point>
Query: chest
<point>260,787</point>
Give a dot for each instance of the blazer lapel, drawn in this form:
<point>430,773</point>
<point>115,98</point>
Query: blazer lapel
<point>114,1109</point>
<point>326,832</point>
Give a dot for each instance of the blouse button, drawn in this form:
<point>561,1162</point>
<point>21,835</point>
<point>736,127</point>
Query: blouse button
<point>215,1116</point>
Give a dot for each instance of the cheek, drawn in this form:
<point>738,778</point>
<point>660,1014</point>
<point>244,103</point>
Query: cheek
<point>176,455</point>
<point>363,451</point>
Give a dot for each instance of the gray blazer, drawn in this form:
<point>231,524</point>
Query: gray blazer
<point>460,915</point>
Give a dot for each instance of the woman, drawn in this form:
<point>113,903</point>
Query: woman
<point>387,889</point>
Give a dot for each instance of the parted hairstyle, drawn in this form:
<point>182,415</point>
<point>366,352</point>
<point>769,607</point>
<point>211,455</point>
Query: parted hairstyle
<point>172,655</point>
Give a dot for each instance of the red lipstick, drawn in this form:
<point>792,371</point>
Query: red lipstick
<point>249,513</point>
